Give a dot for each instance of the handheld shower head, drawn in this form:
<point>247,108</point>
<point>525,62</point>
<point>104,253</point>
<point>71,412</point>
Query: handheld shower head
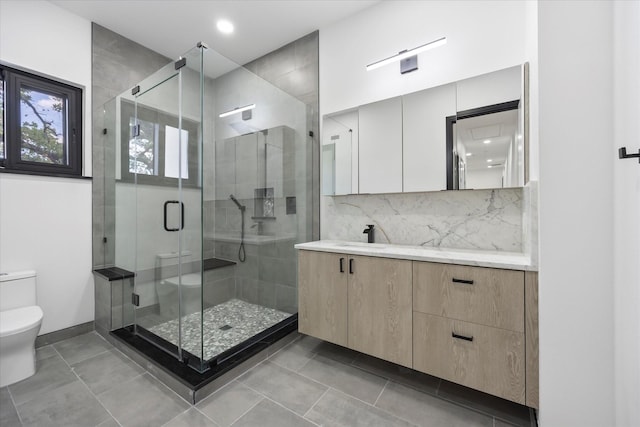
<point>241,207</point>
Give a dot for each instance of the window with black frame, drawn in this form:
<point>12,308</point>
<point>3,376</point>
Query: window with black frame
<point>157,148</point>
<point>41,125</point>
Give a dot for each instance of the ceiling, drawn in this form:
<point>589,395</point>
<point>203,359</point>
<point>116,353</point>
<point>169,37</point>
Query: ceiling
<point>173,27</point>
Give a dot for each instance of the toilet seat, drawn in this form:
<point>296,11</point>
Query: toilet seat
<point>19,320</point>
<point>191,280</point>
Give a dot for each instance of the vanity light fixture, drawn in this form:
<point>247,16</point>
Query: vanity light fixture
<point>237,110</point>
<point>408,58</point>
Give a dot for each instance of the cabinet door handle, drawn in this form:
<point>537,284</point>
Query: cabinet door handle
<point>465,281</point>
<point>461,337</point>
<point>350,265</point>
<point>341,265</point>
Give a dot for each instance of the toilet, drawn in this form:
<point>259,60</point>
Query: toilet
<point>168,284</point>
<point>20,321</point>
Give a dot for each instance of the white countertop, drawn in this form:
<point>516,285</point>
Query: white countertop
<point>480,258</point>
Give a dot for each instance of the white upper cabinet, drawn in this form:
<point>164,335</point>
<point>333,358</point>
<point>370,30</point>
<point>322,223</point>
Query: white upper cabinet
<point>380,147</point>
<point>423,134</point>
<point>340,153</point>
<point>489,89</point>
<point>469,134</point>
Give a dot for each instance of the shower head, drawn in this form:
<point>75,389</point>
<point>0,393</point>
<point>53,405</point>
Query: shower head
<point>241,207</point>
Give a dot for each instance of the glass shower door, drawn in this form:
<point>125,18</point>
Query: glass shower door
<point>163,161</point>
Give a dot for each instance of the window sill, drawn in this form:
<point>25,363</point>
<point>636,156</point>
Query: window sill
<point>56,175</point>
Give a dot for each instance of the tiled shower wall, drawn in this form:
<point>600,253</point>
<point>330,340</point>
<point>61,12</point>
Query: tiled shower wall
<point>294,68</point>
<point>118,64</point>
<point>269,276</point>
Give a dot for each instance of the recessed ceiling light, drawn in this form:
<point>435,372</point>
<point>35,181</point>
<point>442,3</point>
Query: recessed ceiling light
<point>489,160</point>
<point>224,26</point>
<point>468,154</point>
<point>489,166</point>
<point>487,141</point>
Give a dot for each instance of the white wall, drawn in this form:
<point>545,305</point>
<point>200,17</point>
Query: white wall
<point>45,222</point>
<point>481,37</point>
<point>626,193</point>
<point>576,216</point>
<point>41,37</point>
<point>45,225</point>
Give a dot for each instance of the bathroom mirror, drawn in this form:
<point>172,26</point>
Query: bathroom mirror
<point>441,133</point>
<point>485,139</point>
<point>340,153</point>
<point>486,148</point>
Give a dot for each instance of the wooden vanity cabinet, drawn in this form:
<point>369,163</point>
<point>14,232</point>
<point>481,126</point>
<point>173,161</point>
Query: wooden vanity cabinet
<point>474,326</point>
<point>359,302</point>
<point>469,327</point>
<point>380,319</point>
<point>322,296</point>
<point>487,296</point>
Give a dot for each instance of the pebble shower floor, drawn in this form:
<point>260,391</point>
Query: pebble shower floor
<point>223,326</point>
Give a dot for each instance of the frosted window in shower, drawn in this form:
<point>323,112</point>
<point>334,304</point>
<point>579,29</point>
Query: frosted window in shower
<point>173,156</point>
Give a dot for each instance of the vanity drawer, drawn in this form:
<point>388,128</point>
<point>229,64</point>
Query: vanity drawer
<point>477,356</point>
<point>486,296</point>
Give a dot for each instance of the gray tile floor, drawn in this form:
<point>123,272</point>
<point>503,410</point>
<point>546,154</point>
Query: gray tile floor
<point>84,381</point>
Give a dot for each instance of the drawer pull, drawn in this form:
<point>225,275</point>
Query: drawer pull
<point>461,337</point>
<point>465,281</point>
<point>341,265</point>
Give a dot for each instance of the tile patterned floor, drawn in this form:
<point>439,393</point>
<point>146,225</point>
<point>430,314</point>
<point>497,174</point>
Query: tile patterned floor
<point>84,381</point>
<point>238,319</point>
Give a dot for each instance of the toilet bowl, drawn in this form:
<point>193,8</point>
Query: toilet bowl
<point>168,295</point>
<point>167,288</point>
<point>20,321</point>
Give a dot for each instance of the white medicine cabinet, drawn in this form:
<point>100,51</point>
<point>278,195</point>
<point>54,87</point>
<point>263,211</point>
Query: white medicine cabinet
<point>463,135</point>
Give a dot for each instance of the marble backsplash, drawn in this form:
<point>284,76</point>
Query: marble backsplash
<point>470,219</point>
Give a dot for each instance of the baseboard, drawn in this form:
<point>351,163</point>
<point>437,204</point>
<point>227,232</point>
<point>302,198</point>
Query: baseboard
<point>63,334</point>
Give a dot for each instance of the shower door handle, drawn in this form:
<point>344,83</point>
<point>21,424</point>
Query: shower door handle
<point>176,202</point>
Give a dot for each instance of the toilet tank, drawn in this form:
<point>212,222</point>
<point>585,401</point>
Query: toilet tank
<point>167,263</point>
<point>17,289</point>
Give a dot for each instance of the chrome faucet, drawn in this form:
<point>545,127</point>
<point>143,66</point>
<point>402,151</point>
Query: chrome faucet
<point>369,232</point>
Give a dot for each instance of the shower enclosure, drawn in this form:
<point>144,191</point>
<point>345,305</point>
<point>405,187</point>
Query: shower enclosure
<point>207,188</point>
